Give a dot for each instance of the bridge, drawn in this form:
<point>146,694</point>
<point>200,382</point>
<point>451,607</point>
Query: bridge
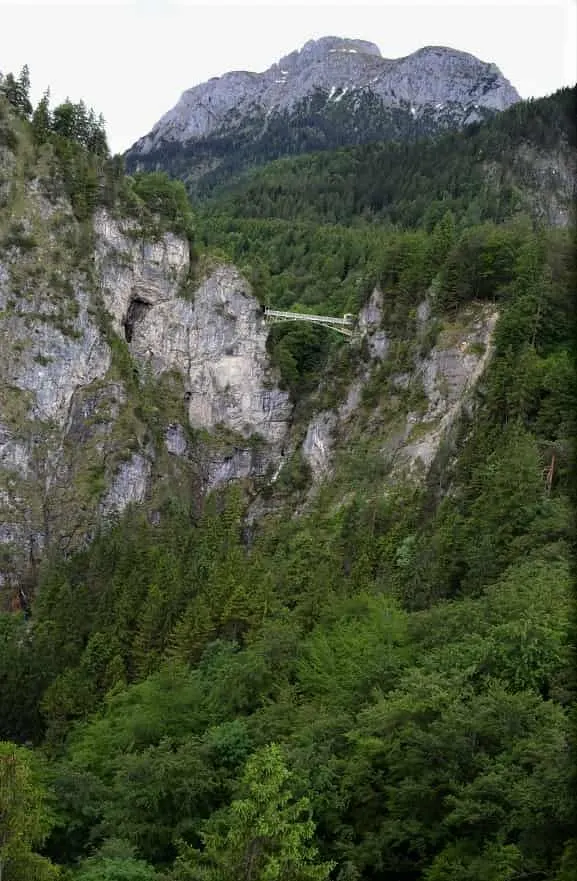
<point>344,325</point>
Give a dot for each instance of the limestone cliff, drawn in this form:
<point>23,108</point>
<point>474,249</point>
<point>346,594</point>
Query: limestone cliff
<point>121,383</point>
<point>417,410</point>
<point>114,371</point>
<point>125,381</point>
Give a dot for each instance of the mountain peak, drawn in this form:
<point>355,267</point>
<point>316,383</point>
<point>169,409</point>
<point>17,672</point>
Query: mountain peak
<point>442,83</point>
<point>322,49</point>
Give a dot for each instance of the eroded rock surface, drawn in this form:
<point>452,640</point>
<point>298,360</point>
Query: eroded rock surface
<point>318,444</point>
<point>449,374</point>
<point>411,439</point>
<point>74,448</point>
<point>218,343</point>
<point>135,271</point>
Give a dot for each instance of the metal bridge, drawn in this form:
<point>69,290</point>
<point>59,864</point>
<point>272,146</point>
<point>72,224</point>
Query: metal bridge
<point>344,325</point>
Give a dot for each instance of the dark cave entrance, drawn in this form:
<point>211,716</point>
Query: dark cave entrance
<point>136,312</point>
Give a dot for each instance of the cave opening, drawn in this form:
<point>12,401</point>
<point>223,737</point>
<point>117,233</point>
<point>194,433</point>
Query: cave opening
<point>136,312</point>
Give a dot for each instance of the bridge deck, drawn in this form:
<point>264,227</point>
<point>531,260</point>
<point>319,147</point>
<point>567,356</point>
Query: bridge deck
<point>343,325</point>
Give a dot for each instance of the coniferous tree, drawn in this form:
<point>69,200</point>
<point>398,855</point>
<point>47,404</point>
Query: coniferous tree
<point>24,92</point>
<point>24,820</point>
<point>264,834</point>
<point>17,91</point>
<point>97,142</point>
<point>10,89</point>
<point>64,119</point>
<point>42,119</point>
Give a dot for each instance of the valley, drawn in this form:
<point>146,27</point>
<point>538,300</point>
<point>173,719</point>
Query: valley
<point>287,484</point>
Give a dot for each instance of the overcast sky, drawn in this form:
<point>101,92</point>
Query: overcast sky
<point>132,59</point>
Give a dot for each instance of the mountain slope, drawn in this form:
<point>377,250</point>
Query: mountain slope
<point>332,93</point>
<point>521,161</point>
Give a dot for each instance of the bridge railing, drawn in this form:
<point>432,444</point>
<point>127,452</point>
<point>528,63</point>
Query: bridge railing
<point>347,321</point>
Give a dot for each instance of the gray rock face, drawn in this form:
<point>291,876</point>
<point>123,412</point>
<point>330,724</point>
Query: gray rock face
<point>448,375</point>
<point>371,314</point>
<point>556,174</point>
<point>50,341</point>
<point>73,449</point>
<point>129,485</point>
<point>218,343</point>
<point>132,271</point>
<point>241,464</point>
<point>318,444</point>
<point>369,325</point>
<point>52,351</point>
<point>13,453</point>
<point>66,364</point>
<point>175,440</point>
<point>433,78</point>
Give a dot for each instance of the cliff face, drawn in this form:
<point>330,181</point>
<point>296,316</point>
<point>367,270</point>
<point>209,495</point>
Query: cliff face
<point>119,384</point>
<point>216,342</point>
<point>419,409</point>
<point>109,373</point>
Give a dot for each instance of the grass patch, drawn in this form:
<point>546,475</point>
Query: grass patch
<point>422,429</point>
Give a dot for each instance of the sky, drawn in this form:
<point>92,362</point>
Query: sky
<point>132,59</point>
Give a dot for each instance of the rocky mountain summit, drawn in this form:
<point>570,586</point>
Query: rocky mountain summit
<point>454,87</point>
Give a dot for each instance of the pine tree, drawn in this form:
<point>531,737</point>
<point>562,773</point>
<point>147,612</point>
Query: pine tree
<point>24,92</point>
<point>81,124</point>
<point>10,89</point>
<point>442,239</point>
<point>263,836</point>
<point>42,119</point>
<point>24,821</point>
<point>96,135</point>
<point>148,641</point>
<point>64,120</point>
<point>17,91</point>
<point>192,633</point>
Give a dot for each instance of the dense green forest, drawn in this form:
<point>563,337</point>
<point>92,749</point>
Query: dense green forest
<point>487,171</point>
<point>314,123</point>
<point>379,688</point>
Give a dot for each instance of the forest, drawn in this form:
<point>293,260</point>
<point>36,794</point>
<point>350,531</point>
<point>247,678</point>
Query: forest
<point>312,124</point>
<point>485,172</point>
<point>382,687</point>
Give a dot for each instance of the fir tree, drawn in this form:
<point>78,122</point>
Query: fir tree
<point>42,119</point>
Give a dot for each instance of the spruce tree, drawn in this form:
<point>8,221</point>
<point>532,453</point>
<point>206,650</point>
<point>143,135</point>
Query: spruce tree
<point>264,835</point>
<point>42,119</point>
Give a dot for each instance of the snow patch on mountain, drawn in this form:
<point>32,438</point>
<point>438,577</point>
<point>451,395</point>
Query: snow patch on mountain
<point>435,77</point>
